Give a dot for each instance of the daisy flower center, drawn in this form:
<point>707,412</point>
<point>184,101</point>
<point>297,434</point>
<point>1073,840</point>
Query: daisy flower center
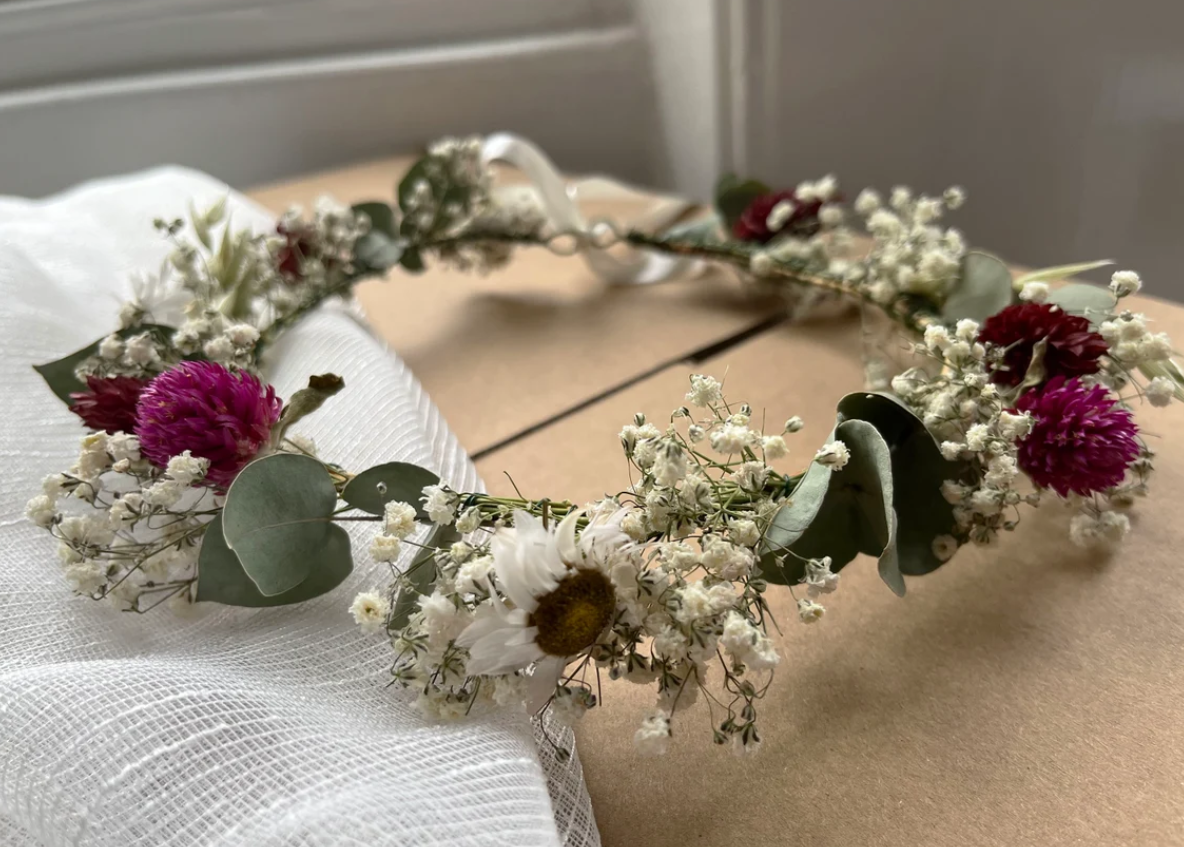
<point>572,616</point>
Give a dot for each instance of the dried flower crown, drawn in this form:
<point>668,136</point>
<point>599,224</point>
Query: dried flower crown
<point>189,487</point>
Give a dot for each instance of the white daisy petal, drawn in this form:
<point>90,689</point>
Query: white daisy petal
<point>543,681</point>
<point>565,538</point>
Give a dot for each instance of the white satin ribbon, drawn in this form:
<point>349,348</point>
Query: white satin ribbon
<point>557,200</point>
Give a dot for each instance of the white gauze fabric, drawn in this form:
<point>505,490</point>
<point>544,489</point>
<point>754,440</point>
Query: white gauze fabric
<point>223,726</point>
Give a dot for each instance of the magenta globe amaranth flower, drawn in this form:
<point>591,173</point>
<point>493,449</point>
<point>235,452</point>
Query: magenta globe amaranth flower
<point>215,413</point>
<point>1082,440</point>
<point>109,403</point>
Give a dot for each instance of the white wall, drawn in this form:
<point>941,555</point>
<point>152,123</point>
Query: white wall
<point>1063,118</point>
<point>255,90</point>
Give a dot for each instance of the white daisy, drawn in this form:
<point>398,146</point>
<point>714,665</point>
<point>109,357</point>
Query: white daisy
<point>561,596</point>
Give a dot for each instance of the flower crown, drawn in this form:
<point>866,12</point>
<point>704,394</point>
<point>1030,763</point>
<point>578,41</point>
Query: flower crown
<point>190,487</point>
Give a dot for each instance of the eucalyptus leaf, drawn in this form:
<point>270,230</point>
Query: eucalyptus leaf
<point>982,289</point>
<point>59,375</point>
<point>377,251</point>
<point>221,578</point>
<point>411,260</point>
<point>381,215</point>
<point>374,487</point>
<point>277,519</point>
<point>855,515</point>
<point>1081,298</point>
<point>1059,272</point>
<point>416,173</point>
<point>733,195</point>
<point>796,515</point>
<point>918,471</point>
<point>420,575</point>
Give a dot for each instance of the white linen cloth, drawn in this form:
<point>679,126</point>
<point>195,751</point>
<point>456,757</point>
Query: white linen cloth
<point>223,726</point>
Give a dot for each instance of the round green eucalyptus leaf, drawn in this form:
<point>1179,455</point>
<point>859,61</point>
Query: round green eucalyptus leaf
<point>982,289</point>
<point>1081,298</point>
<point>381,215</point>
<point>918,471</point>
<point>855,515</point>
<point>221,578</point>
<point>733,195</point>
<point>377,251</point>
<point>277,519</point>
<point>373,488</point>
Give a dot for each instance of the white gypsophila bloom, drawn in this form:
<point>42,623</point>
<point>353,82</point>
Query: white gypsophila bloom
<point>977,437</point>
<point>819,578</point>
<point>86,577</point>
<point>40,510</point>
<point>121,446</point>
<point>695,433</point>
<point>93,460</point>
<point>140,350</point>
<point>164,493</point>
<point>751,476</point>
<point>1160,391</point>
<point>696,493</point>
<point>53,486</point>
<point>1125,283</point>
<point>442,620</point>
<point>944,547</point>
<point>219,349</point>
<point>1105,529</point>
<point>471,576</point>
<point>954,197</point>
<point>124,511</point>
<point>695,603</point>
<point>653,736</point>
<point>834,455</point>
<point>468,521</point>
<point>242,335</point>
<point>779,214</point>
<point>809,611</point>
<point>730,438</point>
<point>562,599</point>
<point>901,197</point>
<point>461,551</point>
<point>739,419</point>
<point>398,519</point>
<point>774,447</point>
<point>370,610</point>
<point>111,348</point>
<point>679,556</point>
<point>186,468</point>
<point>1014,427</point>
<point>670,464</point>
<point>830,215</point>
<point>867,202</point>
<point>966,330</point>
<point>937,338</point>
<point>1034,292</point>
<point>951,450</point>
<point>440,504</point>
<point>747,644</point>
<point>744,532</point>
<point>385,548</point>
<point>90,531</point>
<point>728,561</point>
<point>705,391</point>
<point>794,424</point>
<point>635,526</point>
<point>1001,470</point>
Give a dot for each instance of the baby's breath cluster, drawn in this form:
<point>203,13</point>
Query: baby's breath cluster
<point>660,585</point>
<point>126,529</point>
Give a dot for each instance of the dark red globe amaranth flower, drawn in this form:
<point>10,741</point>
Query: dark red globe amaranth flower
<point>753,223</point>
<point>298,245</point>
<point>215,413</point>
<point>1082,440</point>
<point>1073,347</point>
<point>109,403</point>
